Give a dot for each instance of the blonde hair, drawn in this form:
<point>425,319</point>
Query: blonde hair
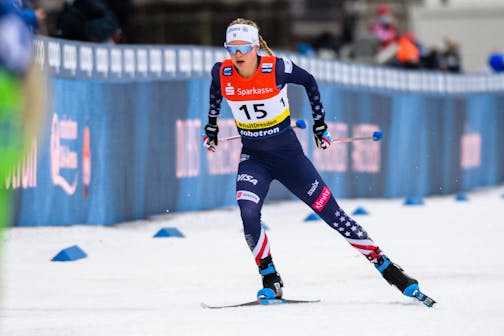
<point>262,42</point>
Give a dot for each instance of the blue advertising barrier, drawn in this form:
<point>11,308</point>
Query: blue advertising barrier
<point>123,136</point>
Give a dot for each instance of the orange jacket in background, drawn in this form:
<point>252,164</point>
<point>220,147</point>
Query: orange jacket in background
<point>407,51</point>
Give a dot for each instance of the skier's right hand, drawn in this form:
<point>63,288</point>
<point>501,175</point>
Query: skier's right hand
<point>321,134</point>
<point>210,139</point>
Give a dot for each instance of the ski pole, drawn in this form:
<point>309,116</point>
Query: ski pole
<point>299,124</point>
<point>377,136</point>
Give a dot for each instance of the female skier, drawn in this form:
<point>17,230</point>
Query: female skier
<point>255,88</point>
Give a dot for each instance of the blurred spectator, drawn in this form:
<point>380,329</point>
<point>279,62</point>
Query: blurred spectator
<point>350,16</point>
<point>327,45</point>
<point>430,61</point>
<point>88,20</point>
<point>123,10</point>
<point>450,59</point>
<point>384,27</point>
<point>15,42</point>
<point>32,17</point>
<point>408,53</point>
<point>387,56</point>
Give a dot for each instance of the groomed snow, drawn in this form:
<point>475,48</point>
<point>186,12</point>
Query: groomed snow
<point>133,284</point>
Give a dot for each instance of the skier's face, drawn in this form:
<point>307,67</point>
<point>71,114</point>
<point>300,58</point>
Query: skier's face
<point>243,55</point>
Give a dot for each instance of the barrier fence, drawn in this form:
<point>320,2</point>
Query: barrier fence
<point>123,137</point>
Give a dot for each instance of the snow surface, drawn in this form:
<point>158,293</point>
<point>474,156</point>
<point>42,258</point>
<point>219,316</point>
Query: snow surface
<point>133,284</point>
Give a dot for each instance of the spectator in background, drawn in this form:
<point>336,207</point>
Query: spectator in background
<point>430,61</point>
<point>450,60</point>
<point>384,27</point>
<point>88,20</point>
<point>122,10</point>
<point>349,19</point>
<point>32,17</point>
<point>408,53</point>
<point>326,45</point>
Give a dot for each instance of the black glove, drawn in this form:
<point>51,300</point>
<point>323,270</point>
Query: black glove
<point>321,134</point>
<point>210,139</point>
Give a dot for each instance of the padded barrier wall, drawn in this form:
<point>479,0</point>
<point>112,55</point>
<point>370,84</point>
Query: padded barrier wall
<point>123,134</point>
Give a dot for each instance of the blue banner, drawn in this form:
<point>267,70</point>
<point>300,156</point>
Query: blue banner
<point>123,137</point>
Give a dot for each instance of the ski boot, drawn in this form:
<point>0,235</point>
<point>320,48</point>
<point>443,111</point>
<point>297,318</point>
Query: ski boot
<point>272,282</point>
<point>395,276</point>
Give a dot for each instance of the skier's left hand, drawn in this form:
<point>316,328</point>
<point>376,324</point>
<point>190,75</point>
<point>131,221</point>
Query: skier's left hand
<point>321,134</point>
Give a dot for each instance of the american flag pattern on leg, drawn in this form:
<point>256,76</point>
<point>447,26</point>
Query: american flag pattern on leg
<point>356,236</point>
<point>262,248</point>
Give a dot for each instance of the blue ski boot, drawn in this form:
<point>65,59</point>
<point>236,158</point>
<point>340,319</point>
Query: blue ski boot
<point>395,276</point>
<point>272,282</point>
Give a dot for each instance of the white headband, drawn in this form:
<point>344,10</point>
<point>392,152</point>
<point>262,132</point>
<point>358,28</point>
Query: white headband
<point>242,32</point>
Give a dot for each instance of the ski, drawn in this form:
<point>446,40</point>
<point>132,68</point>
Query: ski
<point>259,302</point>
<point>426,300</point>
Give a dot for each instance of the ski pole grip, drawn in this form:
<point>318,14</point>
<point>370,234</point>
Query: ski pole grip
<point>300,124</point>
<point>377,136</point>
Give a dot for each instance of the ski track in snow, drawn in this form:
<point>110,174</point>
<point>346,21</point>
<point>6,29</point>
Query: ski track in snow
<point>133,284</point>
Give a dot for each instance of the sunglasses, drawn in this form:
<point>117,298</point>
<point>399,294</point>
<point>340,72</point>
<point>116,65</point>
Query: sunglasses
<point>243,49</point>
